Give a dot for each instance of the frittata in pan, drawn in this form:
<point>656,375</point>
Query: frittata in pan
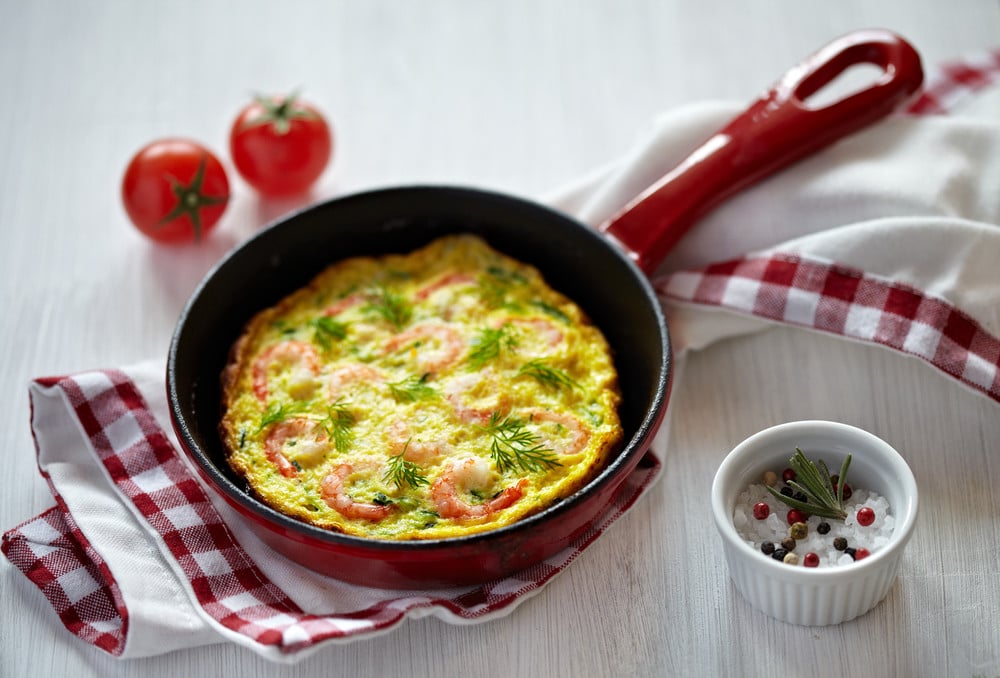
<point>421,396</point>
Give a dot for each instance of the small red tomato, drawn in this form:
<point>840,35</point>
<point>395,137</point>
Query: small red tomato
<point>280,145</point>
<point>865,516</point>
<point>761,510</point>
<point>175,190</point>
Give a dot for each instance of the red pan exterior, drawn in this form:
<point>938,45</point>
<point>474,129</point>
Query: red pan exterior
<point>574,258</point>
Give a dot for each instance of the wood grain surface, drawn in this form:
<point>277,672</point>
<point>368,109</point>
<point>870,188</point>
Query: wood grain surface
<point>519,96</point>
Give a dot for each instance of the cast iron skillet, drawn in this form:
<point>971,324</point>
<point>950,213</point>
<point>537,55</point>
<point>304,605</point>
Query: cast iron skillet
<point>602,270</point>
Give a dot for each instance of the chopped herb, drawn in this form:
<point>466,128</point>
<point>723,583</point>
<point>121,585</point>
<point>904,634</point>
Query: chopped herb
<point>505,275</point>
<point>381,499</point>
<point>391,306</point>
<point>403,473</point>
<point>339,425</point>
<point>412,389</point>
<point>279,412</point>
<point>516,447</point>
<point>243,437</point>
<point>490,343</point>
<point>494,286</point>
<point>547,375</point>
<point>552,311</point>
<point>283,327</point>
<point>326,329</point>
<point>296,464</point>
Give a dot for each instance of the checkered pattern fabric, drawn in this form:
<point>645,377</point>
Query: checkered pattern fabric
<point>230,589</point>
<point>956,81</point>
<point>806,292</point>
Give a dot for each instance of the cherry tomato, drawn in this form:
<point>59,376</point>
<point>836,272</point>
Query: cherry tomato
<point>175,190</point>
<point>280,145</point>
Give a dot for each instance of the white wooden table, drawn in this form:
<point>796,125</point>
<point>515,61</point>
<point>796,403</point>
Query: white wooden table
<point>519,96</point>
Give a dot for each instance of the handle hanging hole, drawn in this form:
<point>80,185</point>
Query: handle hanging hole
<point>851,80</point>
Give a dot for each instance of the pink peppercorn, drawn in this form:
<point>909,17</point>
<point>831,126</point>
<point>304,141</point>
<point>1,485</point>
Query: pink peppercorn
<point>861,552</point>
<point>795,516</point>
<point>761,510</point>
<point>811,560</point>
<point>865,516</point>
<point>788,474</point>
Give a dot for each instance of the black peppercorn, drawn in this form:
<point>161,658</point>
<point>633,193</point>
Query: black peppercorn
<point>767,548</point>
<point>800,496</point>
<point>787,491</point>
<point>788,544</point>
<point>779,555</point>
<point>850,551</point>
<point>840,543</point>
<point>823,528</point>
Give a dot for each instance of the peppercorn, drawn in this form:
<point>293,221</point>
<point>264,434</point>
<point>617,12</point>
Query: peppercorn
<point>770,478</point>
<point>788,474</point>
<point>800,496</point>
<point>823,528</point>
<point>767,548</point>
<point>787,492</point>
<point>779,554</point>
<point>865,516</point>
<point>811,560</point>
<point>791,559</point>
<point>861,553</point>
<point>795,516</point>
<point>761,510</point>
<point>851,551</point>
<point>799,530</point>
<point>788,544</point>
<point>840,543</point>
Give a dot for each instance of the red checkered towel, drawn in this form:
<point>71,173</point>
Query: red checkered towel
<point>889,237</point>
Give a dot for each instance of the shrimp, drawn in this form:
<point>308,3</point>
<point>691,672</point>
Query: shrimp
<point>303,438</point>
<point>476,396</point>
<point>432,345</point>
<point>471,473</point>
<point>539,331</point>
<point>342,305</point>
<point>351,374</point>
<point>569,436</point>
<point>455,278</point>
<point>401,441</point>
<point>334,493</point>
<point>299,356</point>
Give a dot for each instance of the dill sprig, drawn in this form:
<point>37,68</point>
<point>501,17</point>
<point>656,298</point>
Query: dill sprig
<point>391,306</point>
<point>547,375</point>
<point>814,481</point>
<point>514,446</point>
<point>552,311</point>
<point>490,343</point>
<point>277,412</point>
<point>326,329</point>
<point>339,425</point>
<point>412,389</point>
<point>402,473</point>
<point>494,286</point>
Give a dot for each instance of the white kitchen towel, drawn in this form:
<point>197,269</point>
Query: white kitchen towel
<point>889,237</point>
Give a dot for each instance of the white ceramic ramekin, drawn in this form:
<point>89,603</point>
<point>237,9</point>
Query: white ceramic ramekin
<point>815,596</point>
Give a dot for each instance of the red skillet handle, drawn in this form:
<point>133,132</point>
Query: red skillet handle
<point>775,131</point>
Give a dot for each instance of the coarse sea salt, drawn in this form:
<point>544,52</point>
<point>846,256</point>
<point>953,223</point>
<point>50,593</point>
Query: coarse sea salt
<point>775,527</point>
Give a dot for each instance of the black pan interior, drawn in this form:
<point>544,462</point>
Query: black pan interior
<point>573,258</point>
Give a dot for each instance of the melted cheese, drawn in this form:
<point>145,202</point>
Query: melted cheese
<point>425,396</point>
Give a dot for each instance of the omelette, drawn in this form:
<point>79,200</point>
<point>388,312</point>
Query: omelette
<point>429,395</point>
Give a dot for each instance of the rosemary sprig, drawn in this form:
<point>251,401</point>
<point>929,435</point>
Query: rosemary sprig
<point>490,343</point>
<point>326,330</point>
<point>514,446</point>
<point>412,389</point>
<point>547,375</point>
<point>814,481</point>
<point>401,472</point>
<point>389,305</point>
<point>339,425</point>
